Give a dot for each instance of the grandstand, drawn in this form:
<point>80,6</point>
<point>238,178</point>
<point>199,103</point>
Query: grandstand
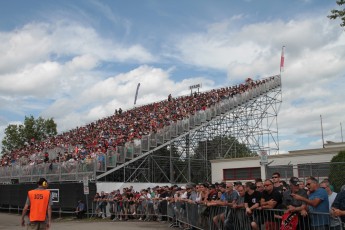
<point>163,142</point>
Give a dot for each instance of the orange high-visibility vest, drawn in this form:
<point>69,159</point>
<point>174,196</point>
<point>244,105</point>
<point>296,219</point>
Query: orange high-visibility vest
<point>39,200</point>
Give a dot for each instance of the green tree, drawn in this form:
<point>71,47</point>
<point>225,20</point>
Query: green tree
<point>16,136</point>
<point>217,148</point>
<point>338,13</point>
<point>337,173</point>
<point>222,147</point>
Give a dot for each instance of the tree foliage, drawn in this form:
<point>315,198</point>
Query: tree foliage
<point>337,172</point>
<point>17,136</point>
<point>222,147</point>
<point>338,13</point>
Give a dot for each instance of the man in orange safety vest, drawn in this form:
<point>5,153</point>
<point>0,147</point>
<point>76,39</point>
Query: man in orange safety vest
<point>39,200</point>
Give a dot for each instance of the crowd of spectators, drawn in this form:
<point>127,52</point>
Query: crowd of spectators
<point>268,203</point>
<point>122,127</point>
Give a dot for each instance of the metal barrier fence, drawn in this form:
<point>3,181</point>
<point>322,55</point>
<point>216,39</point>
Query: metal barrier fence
<point>185,215</point>
<point>199,216</point>
<point>196,216</point>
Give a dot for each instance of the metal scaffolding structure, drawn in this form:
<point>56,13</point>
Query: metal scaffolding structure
<point>248,122</point>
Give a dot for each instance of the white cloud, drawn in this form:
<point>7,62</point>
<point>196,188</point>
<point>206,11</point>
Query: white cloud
<point>60,63</point>
<point>101,98</point>
<point>37,80</point>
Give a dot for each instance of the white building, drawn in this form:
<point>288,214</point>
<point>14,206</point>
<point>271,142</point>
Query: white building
<point>299,163</point>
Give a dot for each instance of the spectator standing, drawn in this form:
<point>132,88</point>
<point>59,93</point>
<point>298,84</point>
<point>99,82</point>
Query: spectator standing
<point>251,204</point>
<point>110,200</point>
<point>260,186</point>
<point>334,221</point>
<point>271,199</point>
<point>338,207</point>
<point>276,182</point>
<point>237,216</point>
<point>296,206</point>
<point>302,186</point>
<point>228,198</point>
<point>102,204</point>
<point>317,203</point>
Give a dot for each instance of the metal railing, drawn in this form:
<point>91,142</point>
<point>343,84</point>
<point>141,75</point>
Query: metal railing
<point>191,215</point>
<point>53,172</point>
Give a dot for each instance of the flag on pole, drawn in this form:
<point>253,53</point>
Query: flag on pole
<point>136,94</point>
<point>282,60</point>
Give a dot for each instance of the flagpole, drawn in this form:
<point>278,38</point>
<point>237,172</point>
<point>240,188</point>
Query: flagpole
<point>323,142</point>
<point>341,132</point>
<point>136,94</point>
<point>282,60</point>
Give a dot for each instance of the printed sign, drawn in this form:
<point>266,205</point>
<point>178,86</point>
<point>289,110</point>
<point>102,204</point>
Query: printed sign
<point>195,86</point>
<point>55,195</point>
<point>86,190</point>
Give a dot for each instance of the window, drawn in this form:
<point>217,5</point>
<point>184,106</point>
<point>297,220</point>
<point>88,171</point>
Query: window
<point>315,169</point>
<point>242,173</point>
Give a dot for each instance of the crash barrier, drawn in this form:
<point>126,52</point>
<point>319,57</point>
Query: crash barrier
<point>200,216</point>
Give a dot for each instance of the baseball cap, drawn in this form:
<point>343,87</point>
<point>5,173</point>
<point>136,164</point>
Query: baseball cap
<point>294,181</point>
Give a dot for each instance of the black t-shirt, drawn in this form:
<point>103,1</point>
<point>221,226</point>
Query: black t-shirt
<point>274,195</point>
<point>103,202</point>
<point>268,215</point>
<point>252,199</point>
<point>279,189</point>
<point>129,197</point>
<point>213,195</point>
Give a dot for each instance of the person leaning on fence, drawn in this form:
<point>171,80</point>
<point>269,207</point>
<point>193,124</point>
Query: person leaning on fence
<point>163,204</point>
<point>260,186</point>
<point>335,223</point>
<point>251,204</point>
<point>338,207</point>
<point>110,200</point>
<point>318,204</point>
<point>236,218</point>
<point>228,199</point>
<point>40,202</point>
<point>102,204</point>
<point>271,199</point>
<point>294,206</point>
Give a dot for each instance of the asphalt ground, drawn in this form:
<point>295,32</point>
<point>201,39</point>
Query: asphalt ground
<point>10,221</point>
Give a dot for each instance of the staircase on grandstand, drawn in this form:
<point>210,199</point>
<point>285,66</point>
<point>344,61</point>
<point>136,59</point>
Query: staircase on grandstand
<point>250,116</point>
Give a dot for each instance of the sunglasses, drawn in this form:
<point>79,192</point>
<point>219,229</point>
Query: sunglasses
<point>274,177</point>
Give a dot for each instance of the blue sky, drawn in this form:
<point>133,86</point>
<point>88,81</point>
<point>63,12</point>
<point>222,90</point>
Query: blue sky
<point>77,61</point>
